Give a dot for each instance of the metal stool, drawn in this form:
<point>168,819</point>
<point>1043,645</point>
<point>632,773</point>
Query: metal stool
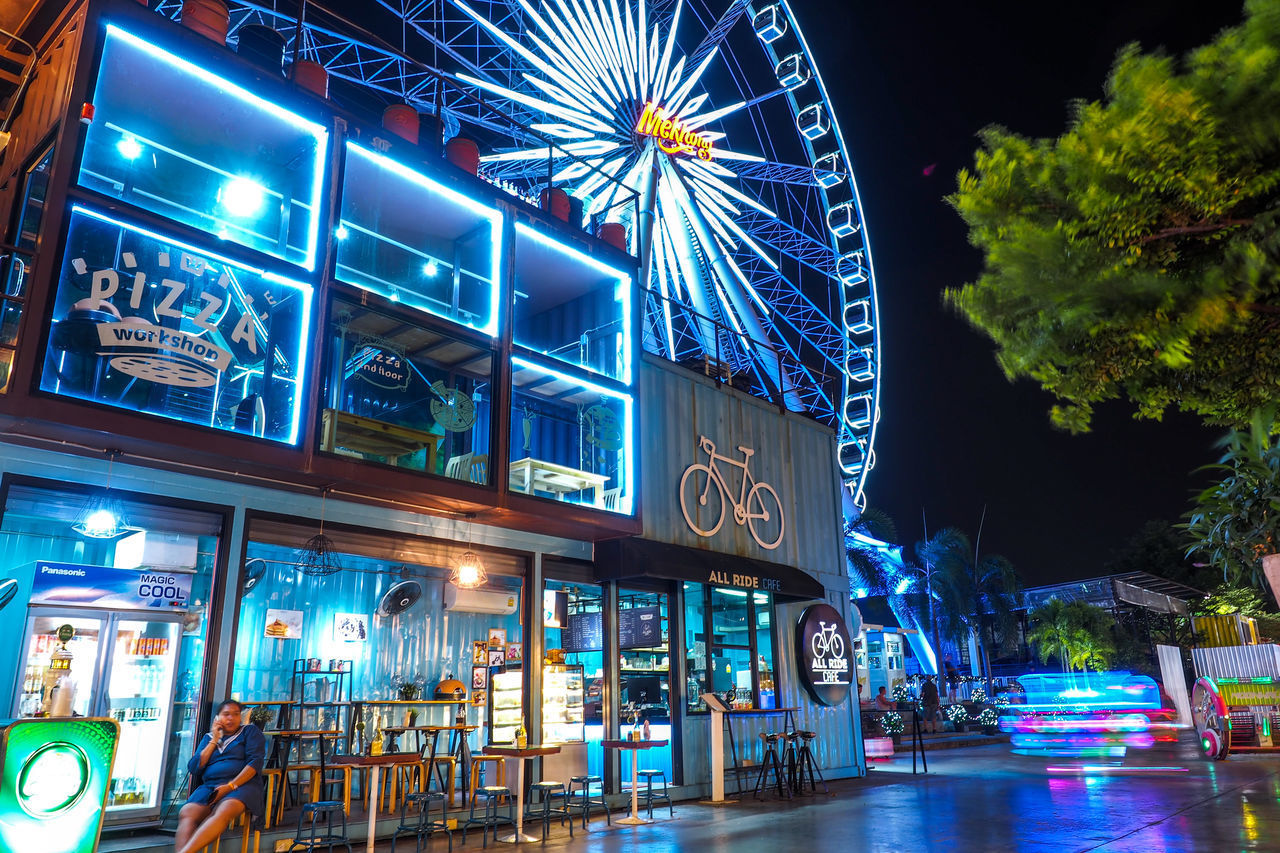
<point>312,814</point>
<point>547,791</point>
<point>790,758</point>
<point>771,762</point>
<point>585,800</point>
<point>490,819</point>
<point>650,797</point>
<point>424,826</point>
<point>805,762</point>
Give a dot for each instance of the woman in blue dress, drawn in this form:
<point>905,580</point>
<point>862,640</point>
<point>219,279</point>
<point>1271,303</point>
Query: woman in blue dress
<point>227,773</point>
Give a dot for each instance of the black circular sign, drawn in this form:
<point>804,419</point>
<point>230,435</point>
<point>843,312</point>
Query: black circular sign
<point>825,653</point>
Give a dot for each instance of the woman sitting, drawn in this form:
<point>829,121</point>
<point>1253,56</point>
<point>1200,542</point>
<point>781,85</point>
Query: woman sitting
<point>227,773</point>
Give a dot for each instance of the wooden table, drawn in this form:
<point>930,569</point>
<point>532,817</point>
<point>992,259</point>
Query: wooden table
<point>463,750</point>
<point>520,754</point>
<point>375,763</point>
<point>527,475</point>
<point>633,745</point>
<point>375,437</point>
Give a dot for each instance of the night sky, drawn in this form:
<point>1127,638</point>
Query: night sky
<point>913,83</point>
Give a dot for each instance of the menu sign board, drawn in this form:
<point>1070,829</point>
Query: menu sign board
<point>640,627</point>
<point>583,632</point>
<point>825,654</point>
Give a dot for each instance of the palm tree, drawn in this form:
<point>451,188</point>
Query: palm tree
<point>970,590</point>
<point>1092,650</point>
<point>869,570</point>
<point>1053,632</point>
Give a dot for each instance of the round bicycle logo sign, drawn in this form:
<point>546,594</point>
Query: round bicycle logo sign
<point>825,651</point>
<point>705,492</point>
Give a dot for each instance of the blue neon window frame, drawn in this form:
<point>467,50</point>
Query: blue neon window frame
<point>348,267</point>
<point>626,502</point>
<point>203,198</point>
<point>622,294</point>
<point>51,382</point>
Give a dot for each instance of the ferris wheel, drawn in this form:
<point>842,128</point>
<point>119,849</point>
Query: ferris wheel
<point>748,219</point>
<point>713,115</point>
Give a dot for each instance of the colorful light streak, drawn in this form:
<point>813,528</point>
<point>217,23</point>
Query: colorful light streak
<point>1086,769</point>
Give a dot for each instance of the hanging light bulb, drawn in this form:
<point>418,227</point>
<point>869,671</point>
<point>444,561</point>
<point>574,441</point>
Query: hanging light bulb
<point>469,571</point>
<point>103,514</point>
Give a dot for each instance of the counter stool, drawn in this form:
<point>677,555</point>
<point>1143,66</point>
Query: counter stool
<point>548,791</point>
<point>649,796</point>
<point>805,763</point>
<point>478,763</point>
<point>771,762</point>
<point>583,798</point>
<point>490,794</point>
<point>790,758</point>
<point>309,822</point>
<point>450,763</point>
<point>423,826</point>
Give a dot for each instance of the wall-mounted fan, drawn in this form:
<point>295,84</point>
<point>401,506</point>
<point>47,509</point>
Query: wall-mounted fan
<point>8,589</point>
<point>400,598</point>
<point>253,572</point>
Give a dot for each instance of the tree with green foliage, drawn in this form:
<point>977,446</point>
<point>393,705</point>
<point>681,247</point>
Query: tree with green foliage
<point>1052,631</point>
<point>870,571</point>
<point>1079,635</point>
<point>1137,255</point>
<point>970,590</point>
<point>1236,521</point>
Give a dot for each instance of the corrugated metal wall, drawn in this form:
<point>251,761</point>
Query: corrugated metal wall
<point>1237,661</point>
<point>793,454</point>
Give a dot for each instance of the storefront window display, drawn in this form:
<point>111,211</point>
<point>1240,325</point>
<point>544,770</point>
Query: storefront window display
<point>644,674</point>
<point>238,167</point>
<point>15,267</point>
<point>729,643</point>
<point>573,622</point>
<point>389,610</point>
<point>406,395</point>
<point>117,591</point>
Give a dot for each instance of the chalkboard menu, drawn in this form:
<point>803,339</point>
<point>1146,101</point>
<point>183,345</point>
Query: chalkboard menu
<point>640,627</point>
<point>582,632</point>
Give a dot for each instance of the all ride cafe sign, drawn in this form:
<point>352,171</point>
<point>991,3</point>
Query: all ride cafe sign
<point>825,652</point>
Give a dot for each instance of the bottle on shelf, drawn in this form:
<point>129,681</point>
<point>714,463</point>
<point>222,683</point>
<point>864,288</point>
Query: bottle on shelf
<point>644,731</point>
<point>522,739</point>
<point>375,745</point>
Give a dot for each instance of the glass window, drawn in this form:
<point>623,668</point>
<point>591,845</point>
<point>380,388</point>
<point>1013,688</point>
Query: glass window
<point>737,663</point>
<point>570,439</point>
<point>405,395</point>
<point>644,676</point>
<point>571,307</point>
<point>173,138</point>
<point>573,618</point>
<point>417,242</point>
<point>15,267</point>
<point>145,323</point>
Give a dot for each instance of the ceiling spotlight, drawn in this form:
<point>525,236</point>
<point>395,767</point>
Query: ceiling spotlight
<point>430,268</point>
<point>341,233</point>
<point>129,148</point>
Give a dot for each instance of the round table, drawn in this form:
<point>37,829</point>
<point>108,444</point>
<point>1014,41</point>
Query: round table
<point>519,754</point>
<point>633,745</point>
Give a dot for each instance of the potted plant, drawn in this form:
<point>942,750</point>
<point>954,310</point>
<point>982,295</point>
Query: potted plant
<point>902,696</point>
<point>891,724</point>
<point>260,716</point>
<point>957,715</point>
<point>988,720</point>
<point>979,696</point>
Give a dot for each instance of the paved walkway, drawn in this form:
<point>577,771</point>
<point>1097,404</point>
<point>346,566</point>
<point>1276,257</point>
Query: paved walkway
<point>986,799</point>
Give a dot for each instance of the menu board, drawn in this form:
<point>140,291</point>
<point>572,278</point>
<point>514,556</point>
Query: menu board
<point>583,632</point>
<point>640,627</point>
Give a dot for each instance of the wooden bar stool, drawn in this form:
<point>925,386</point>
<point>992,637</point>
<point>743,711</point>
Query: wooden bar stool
<point>450,763</point>
<point>478,762</point>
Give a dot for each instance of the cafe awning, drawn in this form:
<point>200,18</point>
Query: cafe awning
<point>624,559</point>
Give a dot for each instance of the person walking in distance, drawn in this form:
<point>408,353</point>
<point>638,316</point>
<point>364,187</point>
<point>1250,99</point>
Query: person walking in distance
<point>929,702</point>
<point>953,679</point>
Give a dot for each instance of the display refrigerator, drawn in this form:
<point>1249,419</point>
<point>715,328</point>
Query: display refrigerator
<point>116,663</point>
<point>562,694</point>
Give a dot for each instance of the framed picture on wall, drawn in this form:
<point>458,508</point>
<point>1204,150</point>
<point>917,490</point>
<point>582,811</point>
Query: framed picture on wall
<point>497,657</point>
<point>284,624</point>
<point>479,653</point>
<point>497,638</point>
<point>478,697</point>
<point>351,627</point>
<point>515,653</point>
<point>479,678</point>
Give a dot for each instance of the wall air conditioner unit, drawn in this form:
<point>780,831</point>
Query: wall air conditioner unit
<point>480,600</point>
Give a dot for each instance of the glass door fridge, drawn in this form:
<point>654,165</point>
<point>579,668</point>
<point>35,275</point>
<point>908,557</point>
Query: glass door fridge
<point>115,664</point>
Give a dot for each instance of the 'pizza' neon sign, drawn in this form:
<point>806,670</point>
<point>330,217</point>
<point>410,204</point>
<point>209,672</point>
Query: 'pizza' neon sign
<point>674,137</point>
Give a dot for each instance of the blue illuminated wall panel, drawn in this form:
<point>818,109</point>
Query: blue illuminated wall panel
<point>173,138</point>
<point>146,323</point>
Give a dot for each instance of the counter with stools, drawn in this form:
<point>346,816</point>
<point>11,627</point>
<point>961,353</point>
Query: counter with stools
<point>490,796</point>
<point>634,746</point>
<point>415,819</point>
<point>582,798</point>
